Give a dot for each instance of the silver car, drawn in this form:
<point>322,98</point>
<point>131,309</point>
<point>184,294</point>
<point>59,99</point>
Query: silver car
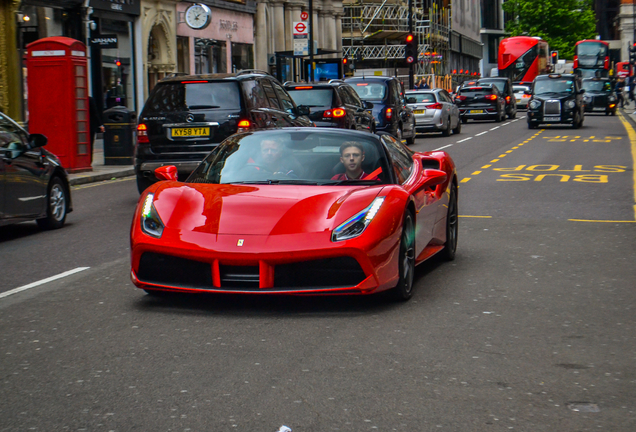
<point>434,111</point>
<point>521,96</point>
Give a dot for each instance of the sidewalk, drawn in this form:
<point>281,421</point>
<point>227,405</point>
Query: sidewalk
<point>100,171</point>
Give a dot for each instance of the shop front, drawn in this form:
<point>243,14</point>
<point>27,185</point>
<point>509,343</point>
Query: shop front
<point>214,40</point>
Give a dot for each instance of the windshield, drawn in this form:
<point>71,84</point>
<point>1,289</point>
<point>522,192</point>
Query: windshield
<point>475,91</point>
<point>176,96</point>
<point>370,91</point>
<point>554,86</point>
<point>591,49</point>
<point>420,97</point>
<point>501,85</point>
<point>597,86</point>
<point>312,97</point>
<point>294,157</point>
<point>520,89</point>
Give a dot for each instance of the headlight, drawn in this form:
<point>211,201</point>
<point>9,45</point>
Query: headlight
<point>570,104</point>
<point>611,99</point>
<point>534,104</point>
<point>356,225</point>
<point>151,223</point>
<point>586,98</point>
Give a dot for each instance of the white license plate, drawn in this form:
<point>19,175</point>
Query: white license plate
<point>552,118</point>
<point>599,109</point>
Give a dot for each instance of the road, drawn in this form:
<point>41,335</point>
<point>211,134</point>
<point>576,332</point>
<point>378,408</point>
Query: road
<point>530,328</point>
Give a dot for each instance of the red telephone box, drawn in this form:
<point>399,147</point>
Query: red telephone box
<point>58,99</point>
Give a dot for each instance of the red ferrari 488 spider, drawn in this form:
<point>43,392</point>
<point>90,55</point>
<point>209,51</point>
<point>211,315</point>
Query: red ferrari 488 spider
<point>297,211</point>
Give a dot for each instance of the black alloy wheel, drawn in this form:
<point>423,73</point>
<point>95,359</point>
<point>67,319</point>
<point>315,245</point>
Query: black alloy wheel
<point>452,225</point>
<point>403,291</point>
<point>56,205</point>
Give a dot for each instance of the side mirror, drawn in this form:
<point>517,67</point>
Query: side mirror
<point>367,104</point>
<point>433,177</point>
<point>411,100</point>
<point>528,92</point>
<point>168,172</point>
<point>303,110</point>
<point>581,91</point>
<point>37,140</point>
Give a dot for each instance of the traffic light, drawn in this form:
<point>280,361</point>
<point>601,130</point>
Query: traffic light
<point>410,49</point>
<point>555,57</point>
<point>632,54</point>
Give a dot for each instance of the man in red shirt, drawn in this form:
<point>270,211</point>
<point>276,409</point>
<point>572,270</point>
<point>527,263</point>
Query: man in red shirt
<point>351,156</point>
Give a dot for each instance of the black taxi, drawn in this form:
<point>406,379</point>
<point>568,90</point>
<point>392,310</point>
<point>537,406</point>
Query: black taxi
<point>599,96</point>
<point>556,99</point>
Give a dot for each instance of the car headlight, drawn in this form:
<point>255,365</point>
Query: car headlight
<point>586,98</point>
<point>151,223</point>
<point>611,99</point>
<point>356,225</point>
<point>570,104</point>
<point>534,104</point>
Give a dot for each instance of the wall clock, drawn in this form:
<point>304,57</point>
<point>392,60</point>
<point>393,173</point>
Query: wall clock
<point>198,16</point>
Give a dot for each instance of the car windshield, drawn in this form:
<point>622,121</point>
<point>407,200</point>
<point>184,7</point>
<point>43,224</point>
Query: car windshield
<point>316,97</point>
<point>475,91</point>
<point>597,86</point>
<point>293,157</point>
<point>554,86</point>
<point>501,85</point>
<point>370,90</point>
<point>179,96</point>
<point>421,97</point>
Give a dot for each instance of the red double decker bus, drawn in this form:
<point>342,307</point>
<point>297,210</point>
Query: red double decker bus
<point>591,58</point>
<point>522,58</point>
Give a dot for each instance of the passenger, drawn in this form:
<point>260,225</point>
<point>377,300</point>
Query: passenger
<point>275,160</point>
<point>351,156</point>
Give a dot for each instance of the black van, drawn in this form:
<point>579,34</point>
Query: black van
<point>187,116</point>
<point>505,88</point>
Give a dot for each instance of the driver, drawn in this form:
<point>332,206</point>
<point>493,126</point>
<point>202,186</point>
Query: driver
<point>274,159</point>
<point>351,156</point>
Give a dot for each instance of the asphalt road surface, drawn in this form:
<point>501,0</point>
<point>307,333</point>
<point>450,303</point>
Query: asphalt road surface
<point>531,328</point>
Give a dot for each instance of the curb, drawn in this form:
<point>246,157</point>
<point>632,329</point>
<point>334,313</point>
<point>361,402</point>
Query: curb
<point>628,117</point>
<point>101,177</point>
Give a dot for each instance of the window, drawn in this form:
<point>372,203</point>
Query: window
<point>242,57</point>
<point>318,97</point>
<point>354,97</point>
<point>254,94</point>
<point>401,156</point>
<point>271,95</point>
<point>183,54</point>
<point>285,99</point>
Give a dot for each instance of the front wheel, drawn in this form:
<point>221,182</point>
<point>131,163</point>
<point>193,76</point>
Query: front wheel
<point>446,132</point>
<point>403,291</point>
<point>452,225</point>
<point>458,128</point>
<point>56,205</point>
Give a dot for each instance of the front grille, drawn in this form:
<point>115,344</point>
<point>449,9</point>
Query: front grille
<point>168,270</point>
<point>239,276</point>
<point>552,107</point>
<point>599,101</point>
<point>328,273</point>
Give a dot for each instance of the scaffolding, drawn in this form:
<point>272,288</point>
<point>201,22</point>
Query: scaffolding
<point>377,30</point>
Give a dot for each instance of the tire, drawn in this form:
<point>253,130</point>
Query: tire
<point>403,291</point>
<point>576,124</point>
<point>399,133</point>
<point>452,225</point>
<point>143,183</point>
<point>513,115</point>
<point>464,120</point>
<point>446,132</point>
<point>411,140</point>
<point>499,118</point>
<point>458,129</point>
<point>57,201</point>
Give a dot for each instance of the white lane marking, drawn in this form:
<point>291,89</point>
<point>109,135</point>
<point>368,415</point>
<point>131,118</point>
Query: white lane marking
<point>506,124</point>
<point>42,282</point>
<point>450,145</point>
<point>484,132</point>
<point>522,117</point>
<point>465,139</point>
<point>496,127</point>
<point>515,120</point>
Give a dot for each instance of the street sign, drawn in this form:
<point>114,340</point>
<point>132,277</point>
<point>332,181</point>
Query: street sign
<point>301,29</point>
<point>300,47</point>
<point>304,16</point>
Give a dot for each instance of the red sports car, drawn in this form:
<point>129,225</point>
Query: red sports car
<point>297,211</point>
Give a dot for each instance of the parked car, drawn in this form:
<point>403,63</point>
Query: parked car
<point>556,99</point>
<point>480,102</point>
<point>599,96</point>
<point>522,95</point>
<point>33,183</point>
<point>505,88</point>
<point>355,219</point>
<point>434,111</point>
<point>333,104</point>
<point>389,110</point>
<point>187,116</point>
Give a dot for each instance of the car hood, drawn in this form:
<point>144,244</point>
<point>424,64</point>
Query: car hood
<point>259,209</point>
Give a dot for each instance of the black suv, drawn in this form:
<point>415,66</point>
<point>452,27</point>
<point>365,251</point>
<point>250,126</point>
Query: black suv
<point>480,102</point>
<point>333,104</point>
<point>556,98</point>
<point>599,96</point>
<point>389,105</point>
<point>505,88</point>
<point>186,116</point>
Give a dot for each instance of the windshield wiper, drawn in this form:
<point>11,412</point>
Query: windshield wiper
<point>203,106</point>
<point>275,181</point>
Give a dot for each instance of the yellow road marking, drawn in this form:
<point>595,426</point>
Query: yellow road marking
<point>486,166</point>
<point>632,138</point>
<point>476,172</point>
<point>502,155</point>
<point>605,221</point>
<point>465,180</point>
<point>484,217</point>
<point>494,160</point>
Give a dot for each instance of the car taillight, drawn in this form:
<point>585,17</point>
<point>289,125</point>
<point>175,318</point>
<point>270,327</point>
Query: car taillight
<point>460,98</point>
<point>435,106</point>
<point>243,125</point>
<point>606,64</point>
<point>576,62</point>
<point>334,113</point>
<point>491,97</point>
<point>507,98</point>
<point>389,113</point>
<point>142,134</point>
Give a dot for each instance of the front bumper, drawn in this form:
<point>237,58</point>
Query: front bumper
<point>537,117</point>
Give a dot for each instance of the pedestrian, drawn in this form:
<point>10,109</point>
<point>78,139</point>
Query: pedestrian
<point>95,123</point>
<point>631,87</point>
<point>618,88</point>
